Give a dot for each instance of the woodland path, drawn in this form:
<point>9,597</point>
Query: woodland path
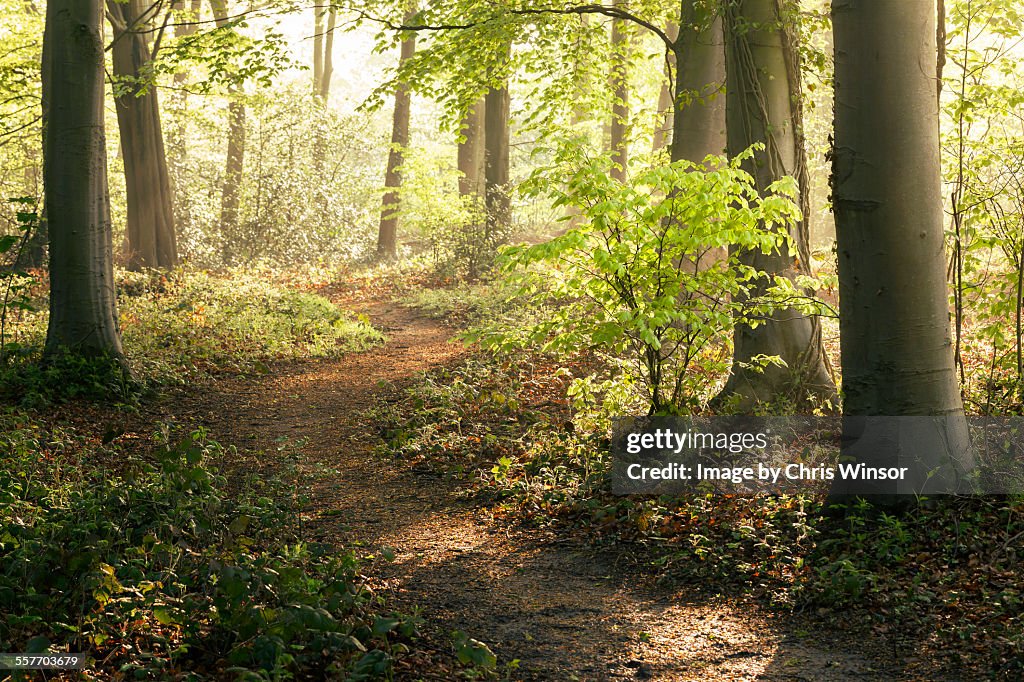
<point>566,611</point>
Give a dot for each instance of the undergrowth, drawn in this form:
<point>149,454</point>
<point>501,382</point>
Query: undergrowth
<point>943,578</point>
<point>153,570</point>
<point>181,326</point>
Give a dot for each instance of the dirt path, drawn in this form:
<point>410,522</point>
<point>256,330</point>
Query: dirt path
<point>565,611</point>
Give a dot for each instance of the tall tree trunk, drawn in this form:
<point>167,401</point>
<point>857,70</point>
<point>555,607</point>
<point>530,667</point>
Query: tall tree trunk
<point>328,60</point>
<point>496,172</point>
<point>763,104</point>
<point>323,71</point>
<point>698,121</point>
<point>318,47</point>
<point>496,158</point>
<point>177,134</point>
<point>894,304</point>
<point>83,304</point>
<point>185,28</point>
<point>618,82</point>
<point>387,236</point>
<point>235,161</point>
<point>150,240</point>
<point>323,50</point>
<point>471,151</point>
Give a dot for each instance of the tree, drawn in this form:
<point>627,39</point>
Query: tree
<point>323,51</point>
<point>387,237</point>
<point>150,239</point>
<point>496,158</point>
<point>471,151</point>
<point>894,305</point>
<point>235,162</point>
<point>698,119</point>
<point>763,105</point>
<point>83,304</point>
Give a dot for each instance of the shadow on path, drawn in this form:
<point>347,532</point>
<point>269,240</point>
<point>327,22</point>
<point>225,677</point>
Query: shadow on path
<point>564,610</point>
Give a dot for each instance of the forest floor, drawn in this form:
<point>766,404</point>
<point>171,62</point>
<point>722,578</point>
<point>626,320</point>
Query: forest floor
<point>565,610</point>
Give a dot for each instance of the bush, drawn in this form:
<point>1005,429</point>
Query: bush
<point>625,279</point>
<point>157,570</point>
<point>179,326</point>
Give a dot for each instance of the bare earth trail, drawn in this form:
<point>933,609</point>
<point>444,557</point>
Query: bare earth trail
<point>566,611</point>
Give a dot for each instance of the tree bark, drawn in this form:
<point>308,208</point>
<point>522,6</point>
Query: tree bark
<point>83,303</point>
<point>698,121</point>
<point>618,82</point>
<point>894,304</point>
<point>328,60</point>
<point>234,164</point>
<point>323,51</point>
<point>387,236</point>
<point>763,98</point>
<point>471,151</point>
<point>496,159</point>
<point>150,240</point>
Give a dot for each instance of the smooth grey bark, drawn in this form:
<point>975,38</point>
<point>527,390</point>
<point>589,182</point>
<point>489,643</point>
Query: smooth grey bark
<point>897,352</point>
<point>83,303</point>
<point>150,240</point>
<point>387,235</point>
<point>698,120</point>
<point>763,105</point>
<point>496,159</point>
<point>187,28</point>
<point>471,151</point>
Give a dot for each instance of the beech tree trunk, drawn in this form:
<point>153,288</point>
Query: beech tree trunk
<point>387,236</point>
<point>698,121</point>
<point>496,159</point>
<point>894,304</point>
<point>618,82</point>
<point>150,240</point>
<point>763,104</point>
<point>323,50</point>
<point>83,304</point>
<point>471,151</point>
<point>235,162</point>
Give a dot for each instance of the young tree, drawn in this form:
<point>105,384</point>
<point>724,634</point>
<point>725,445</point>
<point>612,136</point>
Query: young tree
<point>150,240</point>
<point>763,96</point>
<point>387,236</point>
<point>894,305</point>
<point>83,304</point>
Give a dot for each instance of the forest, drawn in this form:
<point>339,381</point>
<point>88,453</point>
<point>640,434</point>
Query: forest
<point>511,340</point>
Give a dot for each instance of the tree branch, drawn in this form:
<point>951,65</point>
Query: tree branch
<point>613,12</point>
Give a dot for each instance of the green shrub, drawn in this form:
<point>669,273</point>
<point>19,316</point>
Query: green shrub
<point>156,569</point>
<point>624,279</point>
<point>179,326</point>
